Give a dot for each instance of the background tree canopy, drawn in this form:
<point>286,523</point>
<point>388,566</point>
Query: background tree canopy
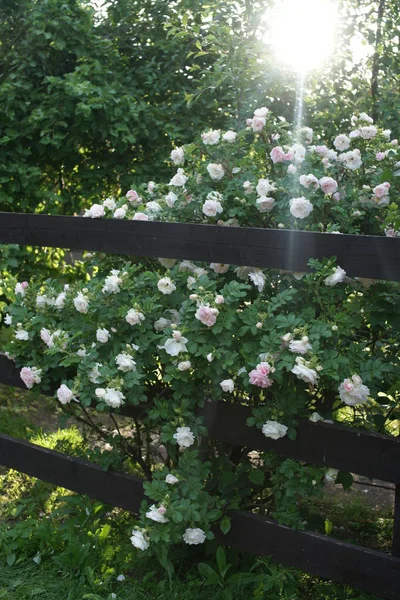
<point>91,102</point>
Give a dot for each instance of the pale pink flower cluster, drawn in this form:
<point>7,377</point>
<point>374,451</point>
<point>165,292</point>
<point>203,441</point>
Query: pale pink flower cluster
<point>30,376</point>
<point>259,375</point>
<point>133,196</point>
<point>381,193</point>
<point>278,155</point>
<point>207,315</point>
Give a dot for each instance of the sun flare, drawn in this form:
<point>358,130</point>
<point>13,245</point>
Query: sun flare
<point>302,32</point>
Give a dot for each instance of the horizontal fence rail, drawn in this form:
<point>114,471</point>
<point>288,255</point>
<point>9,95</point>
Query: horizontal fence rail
<point>319,555</point>
<point>345,448</point>
<point>361,256</point>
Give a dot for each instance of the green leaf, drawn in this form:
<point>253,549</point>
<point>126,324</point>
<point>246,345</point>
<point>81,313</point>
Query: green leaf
<point>208,573</point>
<point>346,479</point>
<point>225,525</point>
<point>257,476</point>
<point>221,559</point>
<point>11,559</point>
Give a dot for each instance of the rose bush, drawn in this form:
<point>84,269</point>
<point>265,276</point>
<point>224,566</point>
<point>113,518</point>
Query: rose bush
<point>171,336</point>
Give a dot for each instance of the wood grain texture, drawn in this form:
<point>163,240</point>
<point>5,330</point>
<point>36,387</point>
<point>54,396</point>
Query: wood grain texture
<point>363,256</point>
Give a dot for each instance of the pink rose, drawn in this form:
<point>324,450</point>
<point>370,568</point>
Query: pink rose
<point>277,155</point>
<point>24,284</point>
<point>207,315</point>
<point>259,375</point>
<point>289,156</point>
<point>132,195</point>
<point>336,197</point>
<point>380,155</point>
<point>140,217</point>
<point>328,185</point>
<point>382,189</point>
<point>258,124</point>
<point>30,376</point>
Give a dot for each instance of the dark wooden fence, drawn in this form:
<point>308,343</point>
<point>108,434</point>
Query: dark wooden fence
<point>369,454</point>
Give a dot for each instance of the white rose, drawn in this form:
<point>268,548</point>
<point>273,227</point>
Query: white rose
<point>211,208</point>
<point>179,179</point>
<point>125,362</point>
<point>258,124</point>
<point>110,203</point>
<point>219,299</point>
<point>22,335</point>
<point>170,199</point>
<point>300,208</point>
<point>364,117</point>
<point>41,301</point>
<point>157,514</point>
<point>315,417</point>
<point>351,160</point>
<point>264,187</point>
<point>228,385</point>
<point>111,284</point>
<point>20,288</point>
<point>229,136</point>
<point>194,536</point>
<point>138,540</point>
<point>8,320</point>
<point>120,213</point>
<point>265,204</point>
<point>153,206</point>
<point>173,346</point>
<point>95,212</point>
<point>178,156</point>
<point>386,133</point>
<point>166,286</point>
<point>300,346</point>
<point>215,171</point>
<point>185,365</point>
<point>113,398</point>
<point>210,138</point>
<point>261,112</point>
<point>102,335</point>
<point>64,394</point>
<point>81,303</point>
<point>299,153</point>
<point>46,337</point>
<point>94,373</point>
<point>171,479</point>
<point>341,142</point>
<point>353,391</point>
<point>134,317</point>
<point>219,268</point>
<point>337,277</point>
<point>161,324</point>
<point>60,300</point>
<point>210,357</point>
<point>274,430</point>
<point>304,373</point>
<point>308,181</point>
<point>258,278</point>
<point>184,437</point>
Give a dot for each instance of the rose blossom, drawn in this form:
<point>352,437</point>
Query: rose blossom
<point>112,397</point>
<point>261,112</point>
<point>300,346</point>
<point>102,335</point>
<point>125,362</point>
<point>351,160</point>
<point>315,417</point>
<point>308,181</point>
<point>8,318</point>
<point>338,276</point>
<point>134,317</point>
<point>184,365</point>
<point>368,132</point>
<point>184,437</point>
<point>22,335</point>
<point>166,286</point>
<point>380,155</point>
<point>382,189</point>
<point>258,124</point>
<point>274,430</point>
<point>65,395</point>
<point>171,479</point>
<point>264,187</point>
<point>364,117</point>
<point>328,185</point>
<point>258,278</point>
<point>219,268</point>
<point>265,204</point>
<point>95,212</point>
<point>342,142</point>
<point>170,199</point>
<point>110,204</point>
<point>259,375</point>
<point>30,376</point>
<point>298,153</point>
<point>219,299</point>
<point>46,337</point>
<point>291,169</point>
<point>153,206</point>
<point>194,536</point>
<point>60,300</point>
<point>210,138</point>
<point>132,196</point>
<point>139,216</point>
<point>179,179</point>
<point>215,171</point>
<point>207,315</point>
<point>178,156</point>
<point>81,303</point>
<point>111,284</point>
<point>229,136</point>
<point>173,346</point>
<point>120,213</point>
<point>157,514</point>
<point>139,541</point>
<point>211,208</point>
<point>353,391</point>
<point>304,372</point>
<point>228,385</point>
<point>277,154</point>
<point>20,288</point>
<point>300,208</point>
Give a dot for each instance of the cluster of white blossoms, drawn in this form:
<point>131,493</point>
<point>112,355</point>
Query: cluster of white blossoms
<point>353,392</point>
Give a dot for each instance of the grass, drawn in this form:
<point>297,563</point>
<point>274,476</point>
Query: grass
<point>56,545</point>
